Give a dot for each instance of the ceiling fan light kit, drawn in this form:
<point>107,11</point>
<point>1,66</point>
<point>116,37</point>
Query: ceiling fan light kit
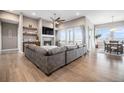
<point>57,20</point>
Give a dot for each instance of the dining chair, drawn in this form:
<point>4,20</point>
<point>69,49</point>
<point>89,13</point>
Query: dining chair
<point>113,41</point>
<point>105,46</point>
<point>120,48</point>
<point>108,49</point>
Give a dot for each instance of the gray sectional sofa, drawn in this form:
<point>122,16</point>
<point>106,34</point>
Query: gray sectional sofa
<point>46,60</point>
<point>50,59</point>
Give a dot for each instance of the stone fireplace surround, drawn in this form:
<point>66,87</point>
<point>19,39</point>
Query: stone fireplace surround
<point>48,41</point>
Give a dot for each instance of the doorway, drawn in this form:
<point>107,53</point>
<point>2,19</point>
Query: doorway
<point>9,36</point>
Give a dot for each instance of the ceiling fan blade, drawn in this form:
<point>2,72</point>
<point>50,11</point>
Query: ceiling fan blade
<point>57,19</point>
<point>52,18</point>
<point>61,20</point>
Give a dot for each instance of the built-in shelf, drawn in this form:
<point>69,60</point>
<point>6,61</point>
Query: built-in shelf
<point>30,41</point>
<point>30,34</point>
<point>29,28</point>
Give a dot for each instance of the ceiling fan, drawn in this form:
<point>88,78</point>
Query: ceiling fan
<point>57,20</point>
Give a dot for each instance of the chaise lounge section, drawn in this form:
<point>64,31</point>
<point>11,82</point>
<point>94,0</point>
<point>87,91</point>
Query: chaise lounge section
<point>47,60</point>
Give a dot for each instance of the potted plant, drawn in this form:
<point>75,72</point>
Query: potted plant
<point>96,37</point>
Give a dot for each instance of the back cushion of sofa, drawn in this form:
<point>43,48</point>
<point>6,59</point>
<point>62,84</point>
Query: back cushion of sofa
<point>41,50</point>
<point>56,50</point>
<point>71,47</point>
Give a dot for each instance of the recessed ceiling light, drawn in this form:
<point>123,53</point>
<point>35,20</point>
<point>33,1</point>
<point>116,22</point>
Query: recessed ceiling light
<point>33,13</point>
<point>77,13</point>
<point>11,10</point>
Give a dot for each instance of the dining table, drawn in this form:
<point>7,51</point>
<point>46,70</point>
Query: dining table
<point>117,47</point>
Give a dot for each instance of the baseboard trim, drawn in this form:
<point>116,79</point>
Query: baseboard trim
<point>9,50</point>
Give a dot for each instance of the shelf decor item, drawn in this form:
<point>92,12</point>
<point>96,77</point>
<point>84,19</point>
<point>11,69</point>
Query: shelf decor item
<point>30,26</point>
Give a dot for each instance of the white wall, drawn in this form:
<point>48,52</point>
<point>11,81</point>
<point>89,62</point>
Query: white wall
<point>72,23</point>
<point>9,17</point>
<point>0,37</point>
<point>47,23</point>
<point>29,21</point>
<point>109,25</point>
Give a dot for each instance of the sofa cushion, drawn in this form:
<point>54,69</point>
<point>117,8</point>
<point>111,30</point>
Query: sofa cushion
<point>71,47</point>
<point>48,47</point>
<point>48,51</point>
<point>56,50</point>
<point>37,49</point>
<point>40,50</point>
<point>80,46</point>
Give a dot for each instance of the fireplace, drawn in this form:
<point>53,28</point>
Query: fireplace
<point>47,43</point>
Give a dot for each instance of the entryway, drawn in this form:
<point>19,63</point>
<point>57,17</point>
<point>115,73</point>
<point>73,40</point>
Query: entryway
<point>9,36</point>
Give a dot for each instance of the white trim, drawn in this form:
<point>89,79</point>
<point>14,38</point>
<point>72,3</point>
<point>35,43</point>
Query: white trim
<point>40,30</point>
<point>48,36</point>
<point>20,33</point>
<point>9,49</point>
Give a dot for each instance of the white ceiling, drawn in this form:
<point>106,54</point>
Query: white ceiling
<point>95,16</point>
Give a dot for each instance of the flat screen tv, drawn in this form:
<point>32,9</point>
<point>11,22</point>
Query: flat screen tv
<point>48,31</point>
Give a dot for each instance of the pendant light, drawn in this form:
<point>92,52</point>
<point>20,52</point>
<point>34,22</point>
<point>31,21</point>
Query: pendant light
<point>112,27</point>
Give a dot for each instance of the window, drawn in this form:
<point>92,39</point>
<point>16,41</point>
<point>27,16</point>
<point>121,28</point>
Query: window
<point>61,36</point>
<point>119,33</point>
<point>108,34</point>
<point>71,35</point>
<point>78,35</point>
<point>104,32</point>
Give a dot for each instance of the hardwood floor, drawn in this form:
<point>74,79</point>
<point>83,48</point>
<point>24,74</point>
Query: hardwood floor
<point>92,67</point>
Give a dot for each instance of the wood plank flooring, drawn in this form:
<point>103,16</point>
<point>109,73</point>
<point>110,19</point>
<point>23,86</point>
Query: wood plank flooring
<point>92,67</point>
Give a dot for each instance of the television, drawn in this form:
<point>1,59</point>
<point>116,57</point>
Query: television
<point>48,31</point>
